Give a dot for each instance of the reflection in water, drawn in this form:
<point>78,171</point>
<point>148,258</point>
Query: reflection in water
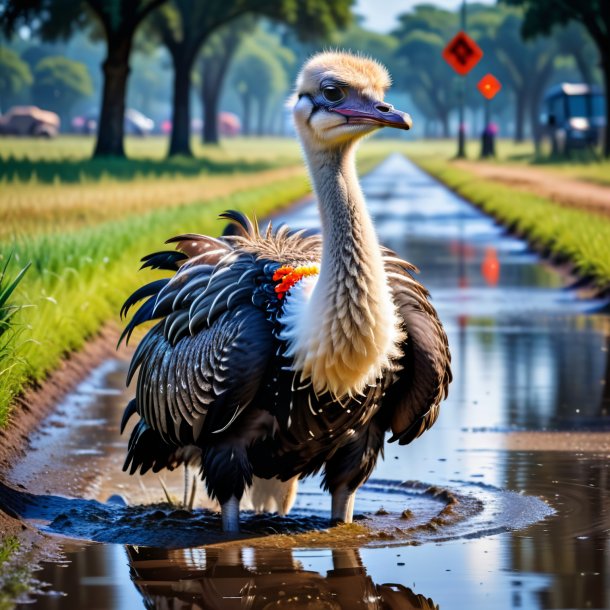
<point>234,578</point>
<point>490,267</point>
<point>572,546</point>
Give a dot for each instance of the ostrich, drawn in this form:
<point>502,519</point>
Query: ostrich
<point>276,355</point>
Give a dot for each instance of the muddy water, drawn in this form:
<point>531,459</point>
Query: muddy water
<point>506,498</point>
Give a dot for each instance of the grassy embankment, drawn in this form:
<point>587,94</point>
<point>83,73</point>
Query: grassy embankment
<point>84,225</point>
<point>14,578</point>
<point>583,166</point>
<point>568,234</point>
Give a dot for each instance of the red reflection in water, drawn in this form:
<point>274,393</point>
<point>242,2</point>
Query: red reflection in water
<point>490,267</point>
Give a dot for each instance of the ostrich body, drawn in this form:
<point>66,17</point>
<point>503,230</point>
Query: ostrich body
<point>278,355</point>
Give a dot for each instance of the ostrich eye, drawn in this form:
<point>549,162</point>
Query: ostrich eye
<point>332,93</point>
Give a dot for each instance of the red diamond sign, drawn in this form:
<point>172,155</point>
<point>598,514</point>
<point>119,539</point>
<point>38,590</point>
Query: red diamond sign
<point>489,86</point>
<point>462,53</point>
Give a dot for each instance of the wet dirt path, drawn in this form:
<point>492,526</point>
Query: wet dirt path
<point>507,504</point>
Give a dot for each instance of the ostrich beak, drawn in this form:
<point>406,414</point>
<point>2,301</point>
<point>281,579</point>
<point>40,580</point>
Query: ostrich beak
<point>376,113</point>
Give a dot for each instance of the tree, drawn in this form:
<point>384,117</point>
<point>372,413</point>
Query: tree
<point>257,76</point>
<point>216,58</point>
<point>15,77</point>
<point>422,35</point>
<point>542,16</point>
<point>431,80</point>
<point>574,41</point>
<point>380,46</point>
<point>185,25</point>
<point>59,83</point>
<point>523,67</point>
<point>116,21</point>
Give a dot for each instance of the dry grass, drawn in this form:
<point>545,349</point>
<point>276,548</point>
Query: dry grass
<point>27,209</point>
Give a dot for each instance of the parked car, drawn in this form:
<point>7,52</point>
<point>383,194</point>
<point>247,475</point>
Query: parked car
<point>574,116</point>
<point>134,124</point>
<point>29,121</point>
<point>137,124</point>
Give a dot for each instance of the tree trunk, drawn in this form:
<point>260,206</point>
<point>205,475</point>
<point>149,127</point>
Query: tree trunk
<point>213,77</point>
<point>520,115</point>
<point>262,106</point>
<point>444,118</point>
<point>112,115</point>
<point>180,141</point>
<point>583,67</point>
<point>535,97</point>
<point>245,100</point>
<point>606,72</point>
<point>210,97</point>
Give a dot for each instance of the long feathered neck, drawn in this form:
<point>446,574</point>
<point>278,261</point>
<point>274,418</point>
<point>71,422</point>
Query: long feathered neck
<point>346,333</point>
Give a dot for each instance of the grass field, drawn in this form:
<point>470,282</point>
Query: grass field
<point>83,233</point>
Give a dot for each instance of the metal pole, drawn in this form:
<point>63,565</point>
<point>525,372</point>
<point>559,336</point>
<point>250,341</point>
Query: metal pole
<point>461,153</point>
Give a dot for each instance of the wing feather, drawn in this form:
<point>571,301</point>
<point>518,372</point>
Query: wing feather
<point>204,361</point>
<point>425,368</point>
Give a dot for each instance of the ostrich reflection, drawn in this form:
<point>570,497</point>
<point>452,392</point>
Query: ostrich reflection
<point>233,578</point>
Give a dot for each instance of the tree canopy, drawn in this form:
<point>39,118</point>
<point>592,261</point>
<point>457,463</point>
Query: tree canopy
<point>15,77</point>
<point>258,76</point>
<point>59,83</point>
<point>541,17</point>
<point>185,25</point>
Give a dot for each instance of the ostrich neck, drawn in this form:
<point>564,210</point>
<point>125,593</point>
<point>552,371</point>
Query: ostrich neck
<point>346,333</point>
<point>349,239</point>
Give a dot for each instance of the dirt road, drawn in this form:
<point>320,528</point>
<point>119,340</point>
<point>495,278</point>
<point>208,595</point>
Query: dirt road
<point>565,191</point>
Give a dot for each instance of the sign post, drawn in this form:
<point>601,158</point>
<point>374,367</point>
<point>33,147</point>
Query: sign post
<point>462,54</point>
<point>489,86</point>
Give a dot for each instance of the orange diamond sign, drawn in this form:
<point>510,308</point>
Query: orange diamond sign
<point>489,86</point>
<point>462,53</point>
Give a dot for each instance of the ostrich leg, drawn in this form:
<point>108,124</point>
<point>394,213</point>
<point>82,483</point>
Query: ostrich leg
<point>350,467</point>
<point>230,515</point>
<point>343,505</point>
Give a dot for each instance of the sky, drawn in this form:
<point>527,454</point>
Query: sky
<point>380,15</point>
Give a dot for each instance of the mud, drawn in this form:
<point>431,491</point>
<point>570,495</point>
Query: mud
<point>29,410</point>
<point>420,513</point>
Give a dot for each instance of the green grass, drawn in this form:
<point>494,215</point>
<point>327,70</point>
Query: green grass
<point>14,579</point>
<point>78,280</point>
<point>84,258</point>
<point>580,237</point>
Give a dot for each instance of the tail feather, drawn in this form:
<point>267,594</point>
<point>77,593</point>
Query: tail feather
<point>241,220</point>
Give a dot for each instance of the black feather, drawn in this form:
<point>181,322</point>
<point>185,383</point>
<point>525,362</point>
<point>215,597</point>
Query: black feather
<point>144,314</point>
<point>213,372</point>
<point>240,219</point>
<point>130,409</point>
<point>141,293</point>
<point>167,260</point>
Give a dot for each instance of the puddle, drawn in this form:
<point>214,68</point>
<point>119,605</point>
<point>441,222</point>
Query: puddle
<point>495,518</point>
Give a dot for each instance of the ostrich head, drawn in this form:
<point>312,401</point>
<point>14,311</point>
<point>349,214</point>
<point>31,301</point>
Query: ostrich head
<point>340,99</point>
